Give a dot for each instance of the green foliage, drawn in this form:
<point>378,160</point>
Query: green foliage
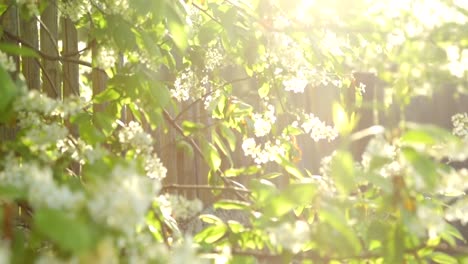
<point>225,93</point>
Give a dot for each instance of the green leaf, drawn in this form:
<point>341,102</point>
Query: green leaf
<point>11,193</point>
<point>443,258</point>
<point>264,90</point>
<point>190,127</point>
<point>211,156</point>
<point>106,96</point>
<point>8,93</point>
<point>335,217</point>
<point>425,167</point>
<point>231,205</point>
<point>290,167</point>
<point>160,95</point>
<point>211,219</point>
<point>295,195</point>
<point>427,135</point>
<point>394,244</point>
<point>211,234</point>
<point>209,31</point>
<point>342,171</point>
<point>229,136</point>
<point>69,233</point>
<point>14,49</point>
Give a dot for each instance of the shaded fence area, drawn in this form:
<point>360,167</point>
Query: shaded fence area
<point>56,72</point>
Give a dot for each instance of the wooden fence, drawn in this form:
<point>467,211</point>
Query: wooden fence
<point>56,73</point>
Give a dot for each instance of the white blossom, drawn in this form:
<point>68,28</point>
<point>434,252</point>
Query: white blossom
<point>7,62</point>
<point>74,9</point>
<point>263,122</point>
<point>43,191</point>
<point>433,220</point>
<point>154,168</point>
<point>289,235</point>
<point>460,125</point>
<point>261,155</point>
<point>178,206</point>
<point>45,135</point>
<point>458,211</point>
<point>316,128</point>
<point>187,85</point>
<point>106,58</point>
<point>295,84</point>
<point>134,136</point>
<point>213,59</point>
<point>122,201</point>
<point>185,252</point>
<point>30,5</point>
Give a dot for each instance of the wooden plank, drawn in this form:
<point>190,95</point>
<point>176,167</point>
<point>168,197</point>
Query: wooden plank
<point>49,45</point>
<point>30,66</point>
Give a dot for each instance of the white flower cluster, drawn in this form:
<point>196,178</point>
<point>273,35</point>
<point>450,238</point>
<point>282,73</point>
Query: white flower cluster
<point>91,154</point>
<point>460,125</point>
<point>134,136</point>
<point>75,9</point>
<point>154,168</point>
<point>296,84</point>
<point>458,211</point>
<point>46,135</point>
<point>379,147</point>
<point>288,60</point>
<point>187,85</point>
<point>178,206</point>
<point>316,128</point>
<point>454,183</point>
<point>30,5</point>
<point>34,102</point>
<point>213,59</point>
<point>7,62</point>
<point>433,221</point>
<point>106,58</point>
<point>122,201</point>
<point>261,155</point>
<point>289,235</point>
<point>45,192</point>
<point>40,185</point>
<point>143,249</point>
<point>211,100</point>
<point>185,252</point>
<point>263,122</point>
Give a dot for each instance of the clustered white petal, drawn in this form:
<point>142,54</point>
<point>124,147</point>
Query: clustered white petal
<point>39,183</point>
<point>270,151</point>
<point>134,136</point>
<point>289,235</point>
<point>187,85</point>
<point>460,125</point>
<point>316,128</point>
<point>122,201</point>
<point>7,62</point>
<point>178,206</point>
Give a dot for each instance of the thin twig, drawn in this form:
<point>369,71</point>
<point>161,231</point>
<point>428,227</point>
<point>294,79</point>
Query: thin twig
<point>204,187</point>
<point>43,55</point>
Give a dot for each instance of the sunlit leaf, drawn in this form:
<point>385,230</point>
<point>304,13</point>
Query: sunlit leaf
<point>68,232</point>
<point>343,171</point>
<point>14,49</point>
<point>211,155</point>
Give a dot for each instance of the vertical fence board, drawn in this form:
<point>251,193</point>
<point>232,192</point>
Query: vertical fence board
<point>49,46</point>
<point>30,67</point>
<point>70,50</point>
<point>10,24</point>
